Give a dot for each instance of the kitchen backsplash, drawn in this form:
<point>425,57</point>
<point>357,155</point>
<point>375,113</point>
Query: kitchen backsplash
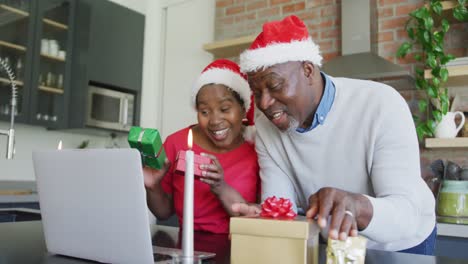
<point>29,138</point>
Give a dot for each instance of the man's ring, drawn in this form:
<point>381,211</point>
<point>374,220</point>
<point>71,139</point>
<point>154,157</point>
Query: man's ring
<point>349,213</point>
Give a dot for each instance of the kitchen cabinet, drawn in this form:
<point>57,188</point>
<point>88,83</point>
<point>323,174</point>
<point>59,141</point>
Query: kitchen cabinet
<point>116,40</point>
<point>108,52</point>
<point>36,38</point>
<point>16,37</point>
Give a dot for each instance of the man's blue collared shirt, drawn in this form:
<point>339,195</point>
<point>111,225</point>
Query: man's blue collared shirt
<point>324,106</point>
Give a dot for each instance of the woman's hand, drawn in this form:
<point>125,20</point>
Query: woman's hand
<point>153,177</point>
<point>213,174</point>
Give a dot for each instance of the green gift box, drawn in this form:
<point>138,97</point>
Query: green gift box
<point>148,142</point>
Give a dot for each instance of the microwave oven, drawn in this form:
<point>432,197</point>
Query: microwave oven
<point>110,109</point>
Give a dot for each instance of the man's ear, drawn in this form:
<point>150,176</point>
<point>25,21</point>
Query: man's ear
<point>309,68</point>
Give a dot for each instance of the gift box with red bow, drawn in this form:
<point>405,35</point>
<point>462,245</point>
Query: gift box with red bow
<point>276,236</point>
<point>197,160</point>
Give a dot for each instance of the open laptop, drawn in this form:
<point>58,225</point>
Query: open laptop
<point>93,205</point>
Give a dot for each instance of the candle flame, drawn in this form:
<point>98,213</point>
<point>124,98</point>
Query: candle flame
<point>59,145</point>
<point>189,139</point>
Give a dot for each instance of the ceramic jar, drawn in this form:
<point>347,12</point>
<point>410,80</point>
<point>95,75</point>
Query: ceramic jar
<point>453,199</point>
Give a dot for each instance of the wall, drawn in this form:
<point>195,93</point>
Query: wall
<point>30,138</point>
<point>235,18</point>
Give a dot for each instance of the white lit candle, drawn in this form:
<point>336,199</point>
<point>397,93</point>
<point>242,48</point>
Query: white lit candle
<point>187,235</point>
<point>59,147</point>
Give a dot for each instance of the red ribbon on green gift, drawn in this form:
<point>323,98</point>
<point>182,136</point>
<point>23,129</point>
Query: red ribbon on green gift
<point>274,207</point>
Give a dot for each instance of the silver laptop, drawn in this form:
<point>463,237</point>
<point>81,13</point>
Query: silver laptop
<point>93,205</point>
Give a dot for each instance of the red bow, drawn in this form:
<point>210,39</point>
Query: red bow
<point>273,207</point>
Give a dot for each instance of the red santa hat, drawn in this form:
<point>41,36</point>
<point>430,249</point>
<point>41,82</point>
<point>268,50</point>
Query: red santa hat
<point>228,73</point>
<point>279,42</point>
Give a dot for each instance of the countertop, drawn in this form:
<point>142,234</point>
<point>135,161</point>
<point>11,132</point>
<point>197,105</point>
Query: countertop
<point>23,242</point>
<point>450,230</point>
<point>21,187</point>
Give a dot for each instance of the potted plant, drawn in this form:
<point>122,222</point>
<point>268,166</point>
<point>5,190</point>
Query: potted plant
<point>427,41</point>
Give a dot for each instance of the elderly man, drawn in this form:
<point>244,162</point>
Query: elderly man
<point>343,150</point>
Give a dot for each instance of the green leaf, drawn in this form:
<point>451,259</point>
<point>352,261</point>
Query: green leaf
<point>460,13</point>
<point>437,115</point>
<point>444,74</point>
<point>428,23</point>
<point>410,32</point>
<point>444,102</point>
<point>432,91</point>
<point>431,60</point>
<point>450,57</point>
<point>438,36</point>
<point>419,13</point>
<point>430,125</point>
<point>445,25</point>
<point>436,81</point>
<point>436,71</point>
<point>418,57</point>
<point>436,7</point>
<point>403,50</point>
<point>438,49</point>
<point>420,130</point>
<point>426,37</point>
<point>422,105</point>
<point>420,83</point>
<point>419,71</point>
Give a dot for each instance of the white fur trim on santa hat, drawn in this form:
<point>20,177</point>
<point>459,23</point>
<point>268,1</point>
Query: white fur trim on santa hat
<point>226,77</point>
<point>276,53</point>
<point>249,134</point>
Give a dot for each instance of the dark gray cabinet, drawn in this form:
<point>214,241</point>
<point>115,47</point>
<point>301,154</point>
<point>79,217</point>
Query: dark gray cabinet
<point>108,52</point>
<point>57,47</point>
<point>116,45</point>
<point>36,39</point>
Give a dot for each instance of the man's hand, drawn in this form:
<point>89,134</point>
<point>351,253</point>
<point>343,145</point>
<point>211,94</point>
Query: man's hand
<point>153,177</point>
<point>243,209</point>
<point>348,211</point>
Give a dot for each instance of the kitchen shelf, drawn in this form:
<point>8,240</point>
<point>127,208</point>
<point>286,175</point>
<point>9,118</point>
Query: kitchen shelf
<point>458,75</point>
<point>12,46</point>
<point>52,57</point>
<point>54,24</point>
<point>458,142</point>
<point>25,14</point>
<point>3,80</point>
<point>14,10</point>
<point>447,6</point>
<point>50,89</point>
<point>230,47</point>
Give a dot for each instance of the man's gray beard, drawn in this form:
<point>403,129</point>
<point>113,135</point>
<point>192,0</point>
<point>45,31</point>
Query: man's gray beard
<point>293,125</point>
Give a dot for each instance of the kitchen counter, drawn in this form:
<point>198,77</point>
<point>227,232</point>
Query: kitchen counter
<point>23,242</point>
<point>26,192</point>
<point>452,230</point>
